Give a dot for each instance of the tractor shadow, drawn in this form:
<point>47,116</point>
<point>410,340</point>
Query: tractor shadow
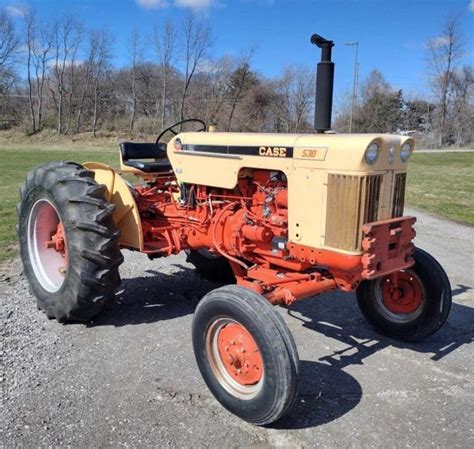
<point>337,316</point>
<point>326,391</point>
<point>157,296</point>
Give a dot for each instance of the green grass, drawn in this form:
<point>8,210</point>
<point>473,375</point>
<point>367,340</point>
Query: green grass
<point>439,183</point>
<point>15,163</point>
<point>443,184</point>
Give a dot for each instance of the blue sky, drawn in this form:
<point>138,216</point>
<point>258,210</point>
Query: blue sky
<point>391,33</point>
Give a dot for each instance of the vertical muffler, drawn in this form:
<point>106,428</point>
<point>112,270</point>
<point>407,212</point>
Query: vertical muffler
<point>324,85</point>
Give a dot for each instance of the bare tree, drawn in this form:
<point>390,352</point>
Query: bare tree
<point>165,46</point>
<point>197,41</point>
<point>296,88</point>
<point>135,54</point>
<point>463,108</point>
<point>88,67</point>
<point>342,110</point>
<point>38,42</point>
<point>9,46</point>
<point>215,87</point>
<point>67,34</point>
<point>9,41</point>
<point>241,81</point>
<point>375,84</point>
<point>30,38</point>
<point>101,66</point>
<point>42,57</point>
<point>73,68</point>
<point>260,108</point>
<point>443,54</point>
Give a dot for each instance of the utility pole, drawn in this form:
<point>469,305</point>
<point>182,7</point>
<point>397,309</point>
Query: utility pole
<point>354,84</point>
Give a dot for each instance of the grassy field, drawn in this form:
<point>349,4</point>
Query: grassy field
<point>443,184</point>
<point>439,183</point>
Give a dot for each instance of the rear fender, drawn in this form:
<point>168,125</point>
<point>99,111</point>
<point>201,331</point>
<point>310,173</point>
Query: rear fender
<point>126,215</point>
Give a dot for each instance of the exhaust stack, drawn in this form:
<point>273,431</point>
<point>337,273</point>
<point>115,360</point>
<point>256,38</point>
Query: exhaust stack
<point>324,85</point>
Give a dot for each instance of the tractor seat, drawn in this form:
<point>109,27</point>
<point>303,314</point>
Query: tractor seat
<point>132,152</point>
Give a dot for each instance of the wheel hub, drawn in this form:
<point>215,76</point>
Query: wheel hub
<point>240,354</point>
<point>402,292</point>
<point>57,241</point>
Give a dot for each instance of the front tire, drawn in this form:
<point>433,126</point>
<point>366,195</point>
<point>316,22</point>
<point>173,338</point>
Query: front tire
<point>414,310</point>
<point>68,241</point>
<point>245,354</point>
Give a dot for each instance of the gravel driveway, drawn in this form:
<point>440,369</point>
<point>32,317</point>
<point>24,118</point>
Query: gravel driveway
<point>129,378</point>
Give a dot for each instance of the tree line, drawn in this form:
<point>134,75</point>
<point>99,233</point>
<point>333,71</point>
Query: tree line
<point>57,74</point>
<point>445,118</point>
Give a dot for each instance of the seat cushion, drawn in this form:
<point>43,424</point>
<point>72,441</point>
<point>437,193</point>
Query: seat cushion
<point>160,166</point>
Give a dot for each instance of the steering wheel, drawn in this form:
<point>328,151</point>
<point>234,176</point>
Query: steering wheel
<point>174,125</point>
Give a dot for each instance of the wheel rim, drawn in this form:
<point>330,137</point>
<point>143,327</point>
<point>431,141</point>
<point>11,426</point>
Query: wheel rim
<point>47,245</point>
<point>400,296</point>
<point>235,358</point>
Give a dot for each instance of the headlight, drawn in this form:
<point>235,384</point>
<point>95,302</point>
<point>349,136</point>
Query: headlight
<point>405,152</point>
<point>372,153</point>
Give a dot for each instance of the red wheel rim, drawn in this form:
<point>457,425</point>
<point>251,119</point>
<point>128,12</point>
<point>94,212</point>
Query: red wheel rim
<point>235,358</point>
<point>240,354</point>
<point>402,292</point>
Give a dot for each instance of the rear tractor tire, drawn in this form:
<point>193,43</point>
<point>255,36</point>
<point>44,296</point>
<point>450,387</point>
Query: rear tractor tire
<point>68,241</point>
<point>212,267</point>
<point>416,308</point>
<point>246,354</point>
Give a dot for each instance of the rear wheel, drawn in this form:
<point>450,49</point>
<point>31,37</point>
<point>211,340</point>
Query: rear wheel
<point>408,305</point>
<point>211,266</point>
<point>246,354</point>
<point>68,241</point>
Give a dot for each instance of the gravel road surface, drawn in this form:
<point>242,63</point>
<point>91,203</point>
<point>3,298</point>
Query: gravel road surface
<point>129,378</point>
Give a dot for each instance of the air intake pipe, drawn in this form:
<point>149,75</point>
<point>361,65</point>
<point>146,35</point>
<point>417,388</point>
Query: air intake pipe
<point>324,85</point>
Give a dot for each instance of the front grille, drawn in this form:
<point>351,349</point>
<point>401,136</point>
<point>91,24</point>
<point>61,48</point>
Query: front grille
<point>372,198</point>
<point>398,198</point>
<point>351,202</point>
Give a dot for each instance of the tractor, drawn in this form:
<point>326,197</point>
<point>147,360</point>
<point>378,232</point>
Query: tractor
<point>276,218</point>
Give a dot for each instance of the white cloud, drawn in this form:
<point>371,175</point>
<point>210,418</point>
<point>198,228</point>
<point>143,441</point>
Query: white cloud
<point>152,4</point>
<point>196,4</point>
<point>439,41</point>
<point>471,6</point>
<point>15,11</point>
<point>68,63</point>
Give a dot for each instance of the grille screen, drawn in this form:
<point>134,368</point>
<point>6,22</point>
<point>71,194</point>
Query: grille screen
<point>398,199</point>
<point>351,202</point>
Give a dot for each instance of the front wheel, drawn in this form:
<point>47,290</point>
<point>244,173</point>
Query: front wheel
<point>410,304</point>
<point>246,354</point>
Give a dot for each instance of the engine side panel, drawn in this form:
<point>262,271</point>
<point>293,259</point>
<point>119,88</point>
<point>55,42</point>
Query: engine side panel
<point>216,159</point>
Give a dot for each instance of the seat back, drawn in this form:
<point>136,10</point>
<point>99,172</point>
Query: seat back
<point>142,150</point>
